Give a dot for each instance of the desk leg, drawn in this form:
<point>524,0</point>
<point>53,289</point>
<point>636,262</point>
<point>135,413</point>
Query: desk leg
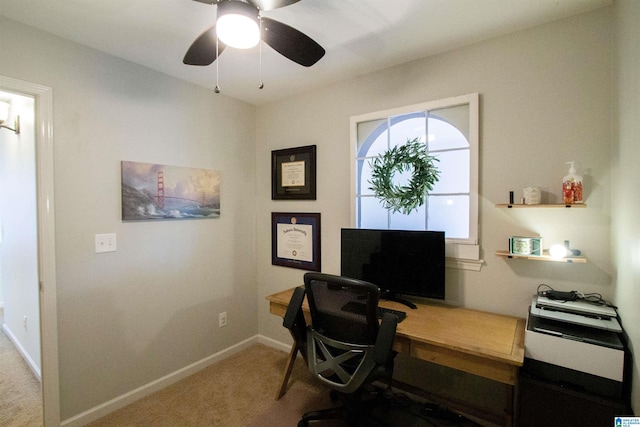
<point>287,370</point>
<point>510,404</point>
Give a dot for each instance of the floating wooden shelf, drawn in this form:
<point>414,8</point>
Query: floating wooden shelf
<point>544,257</point>
<point>557,205</point>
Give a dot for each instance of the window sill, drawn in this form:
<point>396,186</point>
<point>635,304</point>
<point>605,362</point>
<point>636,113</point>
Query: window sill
<point>464,264</point>
<point>463,256</point>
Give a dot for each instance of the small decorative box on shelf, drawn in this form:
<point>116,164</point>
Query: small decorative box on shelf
<point>544,257</point>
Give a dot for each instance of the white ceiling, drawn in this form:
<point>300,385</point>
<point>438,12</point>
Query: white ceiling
<point>359,36</point>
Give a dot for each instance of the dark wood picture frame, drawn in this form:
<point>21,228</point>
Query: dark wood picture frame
<point>293,173</point>
<point>295,240</point>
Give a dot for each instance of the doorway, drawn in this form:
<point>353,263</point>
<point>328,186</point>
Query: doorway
<point>20,340</point>
<point>39,117</point>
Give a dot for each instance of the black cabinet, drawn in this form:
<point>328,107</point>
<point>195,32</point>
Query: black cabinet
<point>543,402</point>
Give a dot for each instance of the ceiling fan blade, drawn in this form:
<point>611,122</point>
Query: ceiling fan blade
<point>291,43</point>
<point>269,4</point>
<point>203,50</point>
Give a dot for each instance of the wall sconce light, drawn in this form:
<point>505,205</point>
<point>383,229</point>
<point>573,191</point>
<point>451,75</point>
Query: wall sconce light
<point>4,114</point>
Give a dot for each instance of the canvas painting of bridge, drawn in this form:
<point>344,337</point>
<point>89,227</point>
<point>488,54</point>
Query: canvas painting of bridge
<point>157,192</point>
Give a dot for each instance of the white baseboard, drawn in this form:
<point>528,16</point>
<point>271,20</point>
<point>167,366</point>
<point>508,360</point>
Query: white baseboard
<point>23,352</point>
<point>273,343</point>
<point>154,386</point>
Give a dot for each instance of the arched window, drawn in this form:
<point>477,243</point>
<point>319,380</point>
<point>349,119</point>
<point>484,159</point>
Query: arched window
<point>449,129</point>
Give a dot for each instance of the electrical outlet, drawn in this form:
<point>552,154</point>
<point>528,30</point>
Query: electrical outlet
<point>222,319</point>
<point>24,322</point>
<point>106,243</point>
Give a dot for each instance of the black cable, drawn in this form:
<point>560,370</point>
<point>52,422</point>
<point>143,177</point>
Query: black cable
<point>542,293</point>
<point>594,298</point>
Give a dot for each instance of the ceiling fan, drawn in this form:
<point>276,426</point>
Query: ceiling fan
<point>287,41</point>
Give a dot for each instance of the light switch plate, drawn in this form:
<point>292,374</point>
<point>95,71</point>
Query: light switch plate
<point>105,243</point>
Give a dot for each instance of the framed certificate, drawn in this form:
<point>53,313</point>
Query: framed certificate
<point>295,240</point>
<point>293,173</point>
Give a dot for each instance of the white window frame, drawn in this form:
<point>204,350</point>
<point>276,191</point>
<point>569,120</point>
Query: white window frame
<point>461,253</point>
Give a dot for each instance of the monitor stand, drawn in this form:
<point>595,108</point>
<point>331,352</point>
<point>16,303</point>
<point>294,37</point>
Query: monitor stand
<point>391,297</point>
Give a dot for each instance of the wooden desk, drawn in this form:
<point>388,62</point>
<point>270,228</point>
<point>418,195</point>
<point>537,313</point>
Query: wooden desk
<point>486,344</point>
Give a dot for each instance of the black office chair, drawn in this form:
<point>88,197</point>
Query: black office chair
<point>296,324</point>
<point>347,348</point>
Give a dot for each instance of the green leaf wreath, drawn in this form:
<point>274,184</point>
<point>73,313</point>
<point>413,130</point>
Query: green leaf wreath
<point>412,156</point>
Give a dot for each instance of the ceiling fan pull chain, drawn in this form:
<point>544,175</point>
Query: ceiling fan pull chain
<point>261,85</point>
<point>217,88</point>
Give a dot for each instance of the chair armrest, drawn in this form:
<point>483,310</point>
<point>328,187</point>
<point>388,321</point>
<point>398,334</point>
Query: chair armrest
<point>294,310</point>
<point>384,341</point>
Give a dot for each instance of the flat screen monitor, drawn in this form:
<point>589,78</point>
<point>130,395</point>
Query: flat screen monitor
<point>398,262</point>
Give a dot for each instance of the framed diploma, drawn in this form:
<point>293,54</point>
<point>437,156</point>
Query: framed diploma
<point>293,173</point>
<point>295,240</point>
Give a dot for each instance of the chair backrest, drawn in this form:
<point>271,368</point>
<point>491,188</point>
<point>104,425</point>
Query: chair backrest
<point>342,308</point>
<point>344,329</point>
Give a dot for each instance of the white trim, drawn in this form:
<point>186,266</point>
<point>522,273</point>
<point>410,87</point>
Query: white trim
<point>23,352</point>
<point>353,151</point>
<point>43,97</point>
<point>474,164</point>
<point>121,401</point>
<point>464,264</point>
<point>430,105</point>
<point>462,251</point>
<point>274,344</point>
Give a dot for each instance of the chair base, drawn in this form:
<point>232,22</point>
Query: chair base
<point>354,411</point>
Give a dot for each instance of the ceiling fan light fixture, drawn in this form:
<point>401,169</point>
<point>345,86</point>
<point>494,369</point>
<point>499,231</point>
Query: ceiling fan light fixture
<point>237,24</point>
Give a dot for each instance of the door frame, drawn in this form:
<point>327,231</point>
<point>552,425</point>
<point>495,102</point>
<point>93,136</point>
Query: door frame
<point>43,97</point>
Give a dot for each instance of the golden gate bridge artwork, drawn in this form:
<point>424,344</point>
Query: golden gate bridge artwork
<point>152,192</point>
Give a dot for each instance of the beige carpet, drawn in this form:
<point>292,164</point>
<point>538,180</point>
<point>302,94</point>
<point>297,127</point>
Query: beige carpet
<point>238,391</point>
<point>289,409</point>
<point>20,396</point>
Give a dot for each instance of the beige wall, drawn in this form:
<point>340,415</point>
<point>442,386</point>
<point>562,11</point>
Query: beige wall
<point>128,318</point>
<point>626,154</point>
<point>545,100</point>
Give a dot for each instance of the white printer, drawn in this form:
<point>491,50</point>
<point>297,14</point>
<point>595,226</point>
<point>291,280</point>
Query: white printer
<point>579,336</point>
<point>576,312</point>
<point>575,365</point>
